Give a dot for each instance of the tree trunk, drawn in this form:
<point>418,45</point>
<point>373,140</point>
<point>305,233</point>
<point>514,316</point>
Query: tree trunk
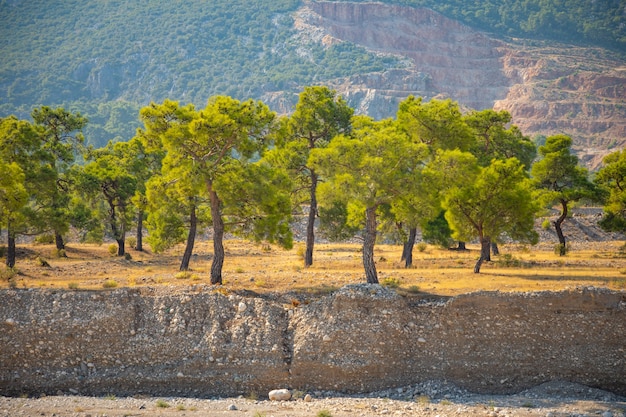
<point>485,253</point>
<point>310,227</point>
<point>461,246</point>
<point>404,245</point>
<point>218,237</point>
<point>408,248</point>
<point>58,240</point>
<point>191,239</point>
<point>494,249</point>
<point>368,246</point>
<point>559,232</point>
<point>139,246</point>
<point>121,249</point>
<point>118,235</point>
<point>11,250</point>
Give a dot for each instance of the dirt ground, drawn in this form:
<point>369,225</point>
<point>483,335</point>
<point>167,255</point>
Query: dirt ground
<point>255,268</point>
<point>263,269</point>
<point>556,399</point>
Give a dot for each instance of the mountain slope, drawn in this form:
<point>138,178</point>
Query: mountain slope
<point>548,88</point>
<point>107,58</point>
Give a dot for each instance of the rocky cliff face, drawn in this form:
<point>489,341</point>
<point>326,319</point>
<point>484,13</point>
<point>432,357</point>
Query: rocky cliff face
<point>198,342</point>
<point>560,89</point>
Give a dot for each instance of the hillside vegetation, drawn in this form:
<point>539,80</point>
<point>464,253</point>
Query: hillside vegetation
<point>106,59</point>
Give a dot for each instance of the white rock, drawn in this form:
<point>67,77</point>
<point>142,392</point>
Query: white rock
<point>308,398</point>
<point>280,395</point>
<point>242,307</point>
<point>10,322</point>
<point>421,340</point>
<point>326,338</point>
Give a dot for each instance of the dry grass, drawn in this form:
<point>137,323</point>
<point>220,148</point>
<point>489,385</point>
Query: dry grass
<point>255,268</point>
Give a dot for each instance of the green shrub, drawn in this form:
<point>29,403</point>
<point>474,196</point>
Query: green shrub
<point>39,261</point>
<point>72,285</point>
<point>109,283</point>
<point>508,261</point>
<point>183,275</point>
<point>546,225</point>
<point>60,253</point>
<point>112,249</point>
<point>8,273</point>
<point>561,249</point>
<point>422,246</point>
<point>162,403</point>
<point>127,256</point>
<point>131,242</point>
<point>390,282</point>
<point>324,413</point>
<point>413,289</point>
<point>44,239</point>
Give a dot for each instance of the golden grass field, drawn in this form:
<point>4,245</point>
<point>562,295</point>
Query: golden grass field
<point>264,269</point>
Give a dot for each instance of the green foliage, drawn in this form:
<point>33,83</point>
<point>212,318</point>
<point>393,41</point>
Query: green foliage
<point>121,54</point>
<point>577,21</point>
<point>44,239</point>
<point>131,242</point>
<point>437,231</point>
<point>334,224</point>
<point>112,249</point>
<point>324,413</point>
<point>8,273</point>
<point>162,403</point>
<point>484,202</point>
<point>109,283</point>
<point>390,282</point>
<point>612,178</point>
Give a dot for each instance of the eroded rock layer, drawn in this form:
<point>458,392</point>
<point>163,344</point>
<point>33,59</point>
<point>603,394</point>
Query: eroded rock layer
<point>361,338</point>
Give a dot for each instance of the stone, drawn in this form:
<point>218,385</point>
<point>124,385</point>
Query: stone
<point>232,407</point>
<point>308,398</point>
<point>242,307</point>
<point>280,395</point>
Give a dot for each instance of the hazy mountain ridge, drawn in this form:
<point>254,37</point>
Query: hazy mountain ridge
<point>108,58</point>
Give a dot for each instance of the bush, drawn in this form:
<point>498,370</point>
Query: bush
<point>8,273</point>
<point>60,253</point>
<point>561,249</point>
<point>42,262</point>
<point>109,283</point>
<point>44,239</point>
<point>508,261</point>
<point>113,249</point>
<point>162,404</point>
<point>546,225</point>
<point>131,242</point>
<point>390,282</point>
<point>421,247</point>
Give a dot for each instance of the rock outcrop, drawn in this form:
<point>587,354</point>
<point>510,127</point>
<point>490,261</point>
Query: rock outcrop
<point>547,89</point>
<point>198,342</point>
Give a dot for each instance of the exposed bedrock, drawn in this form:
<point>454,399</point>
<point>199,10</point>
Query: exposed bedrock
<point>361,338</point>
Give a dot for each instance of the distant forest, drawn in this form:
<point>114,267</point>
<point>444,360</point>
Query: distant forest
<point>584,22</point>
<point>107,58</point>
